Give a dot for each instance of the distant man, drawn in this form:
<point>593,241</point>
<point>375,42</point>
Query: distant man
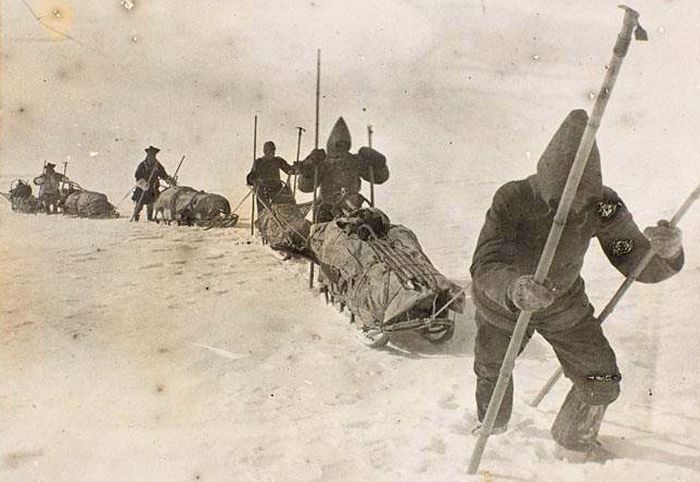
<point>265,175</point>
<point>148,175</point>
<point>506,256</point>
<point>340,173</point>
<point>49,183</point>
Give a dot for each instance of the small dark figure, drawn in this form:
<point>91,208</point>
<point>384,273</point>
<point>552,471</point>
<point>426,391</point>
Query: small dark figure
<point>265,176</point>
<point>340,173</point>
<point>49,183</point>
<point>148,175</point>
<point>506,256</point>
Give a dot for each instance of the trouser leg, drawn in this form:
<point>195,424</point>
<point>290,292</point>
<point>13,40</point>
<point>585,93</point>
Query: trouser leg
<point>137,210</point>
<point>149,211</point>
<point>490,346</point>
<point>589,362</point>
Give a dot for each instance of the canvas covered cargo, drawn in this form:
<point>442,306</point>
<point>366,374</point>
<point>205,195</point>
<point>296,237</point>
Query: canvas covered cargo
<point>380,272</point>
<point>21,198</point>
<point>282,223</point>
<point>185,205</point>
<point>88,204</point>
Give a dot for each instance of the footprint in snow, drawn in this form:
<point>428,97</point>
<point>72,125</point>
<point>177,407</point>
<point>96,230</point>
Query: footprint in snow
<point>152,265</point>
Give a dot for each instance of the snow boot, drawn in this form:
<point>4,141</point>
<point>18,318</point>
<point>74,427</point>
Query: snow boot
<point>576,430</point>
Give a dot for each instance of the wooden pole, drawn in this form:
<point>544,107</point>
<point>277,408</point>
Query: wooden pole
<point>630,23</point>
<point>371,168</point>
<point>314,207</point>
<point>255,189</point>
<point>631,278</point>
<point>301,130</point>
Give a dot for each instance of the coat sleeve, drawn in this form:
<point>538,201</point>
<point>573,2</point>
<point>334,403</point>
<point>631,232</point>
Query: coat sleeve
<point>284,166</point>
<point>140,172</point>
<point>367,158</point>
<point>492,266</point>
<point>625,245</point>
<point>161,172</point>
<point>305,181</point>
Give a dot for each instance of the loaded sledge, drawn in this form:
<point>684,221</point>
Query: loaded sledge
<point>187,206</point>
<point>379,271</point>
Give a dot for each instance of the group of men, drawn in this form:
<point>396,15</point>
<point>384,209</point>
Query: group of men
<point>507,253</point>
<point>335,171</point>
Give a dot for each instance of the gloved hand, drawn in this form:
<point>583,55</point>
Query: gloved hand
<point>316,156</point>
<point>373,158</point>
<point>142,184</point>
<point>527,295</point>
<point>250,179</point>
<point>666,241</point>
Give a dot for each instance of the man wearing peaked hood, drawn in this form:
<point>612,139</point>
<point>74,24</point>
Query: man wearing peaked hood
<point>148,175</point>
<point>340,172</point>
<point>507,253</point>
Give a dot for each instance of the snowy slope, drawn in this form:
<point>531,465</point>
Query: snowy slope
<point>143,352</point>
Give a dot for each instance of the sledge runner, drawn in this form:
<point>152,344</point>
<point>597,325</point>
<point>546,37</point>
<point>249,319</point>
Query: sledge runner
<point>507,253</point>
<point>340,173</point>
<point>148,175</point>
<point>265,175</point>
<point>49,183</point>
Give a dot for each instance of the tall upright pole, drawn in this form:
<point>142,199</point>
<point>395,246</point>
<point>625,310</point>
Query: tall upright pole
<point>630,24</point>
<point>371,168</point>
<point>255,189</point>
<point>318,107</point>
<point>301,130</point>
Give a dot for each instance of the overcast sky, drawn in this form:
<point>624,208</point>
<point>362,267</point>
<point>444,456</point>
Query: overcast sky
<point>455,89</point>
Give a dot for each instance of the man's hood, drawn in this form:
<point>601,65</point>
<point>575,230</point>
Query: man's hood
<point>339,134</point>
<point>556,161</point>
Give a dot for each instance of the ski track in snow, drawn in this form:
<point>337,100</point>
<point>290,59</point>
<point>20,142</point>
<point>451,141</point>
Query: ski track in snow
<point>147,352</point>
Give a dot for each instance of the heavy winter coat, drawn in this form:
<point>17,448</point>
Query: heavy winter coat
<point>143,171</point>
<point>514,235</point>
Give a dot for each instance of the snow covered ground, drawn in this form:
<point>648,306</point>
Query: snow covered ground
<point>144,352</point>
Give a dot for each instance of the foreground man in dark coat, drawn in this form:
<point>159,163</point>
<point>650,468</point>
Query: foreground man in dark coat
<point>340,173</point>
<point>148,175</point>
<point>506,256</point>
<point>265,175</point>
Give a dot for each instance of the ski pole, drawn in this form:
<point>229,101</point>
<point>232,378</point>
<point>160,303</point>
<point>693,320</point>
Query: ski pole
<point>371,168</point>
<point>610,307</point>
<point>255,190</point>
<point>630,24</point>
<point>314,214</point>
<point>300,129</point>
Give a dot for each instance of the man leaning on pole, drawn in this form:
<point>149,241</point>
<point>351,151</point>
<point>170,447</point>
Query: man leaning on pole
<point>507,253</point>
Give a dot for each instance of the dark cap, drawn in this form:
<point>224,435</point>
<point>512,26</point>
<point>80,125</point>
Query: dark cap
<point>152,150</point>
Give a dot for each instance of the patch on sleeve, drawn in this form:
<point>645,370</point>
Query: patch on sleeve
<point>621,247</point>
<point>607,210</point>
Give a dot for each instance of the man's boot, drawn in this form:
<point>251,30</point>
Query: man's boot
<point>576,431</point>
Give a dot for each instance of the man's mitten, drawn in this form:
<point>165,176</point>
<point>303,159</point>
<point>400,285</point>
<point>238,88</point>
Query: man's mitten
<point>528,295</point>
<point>665,240</point>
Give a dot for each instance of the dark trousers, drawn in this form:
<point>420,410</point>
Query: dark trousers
<point>139,207</point>
<point>583,352</point>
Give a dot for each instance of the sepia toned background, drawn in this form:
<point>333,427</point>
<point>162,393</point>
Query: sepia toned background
<point>462,96</point>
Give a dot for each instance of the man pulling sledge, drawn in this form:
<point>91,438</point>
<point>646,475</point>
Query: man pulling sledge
<point>148,175</point>
<point>340,173</point>
<point>49,183</point>
<point>511,241</point>
<point>265,175</point>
